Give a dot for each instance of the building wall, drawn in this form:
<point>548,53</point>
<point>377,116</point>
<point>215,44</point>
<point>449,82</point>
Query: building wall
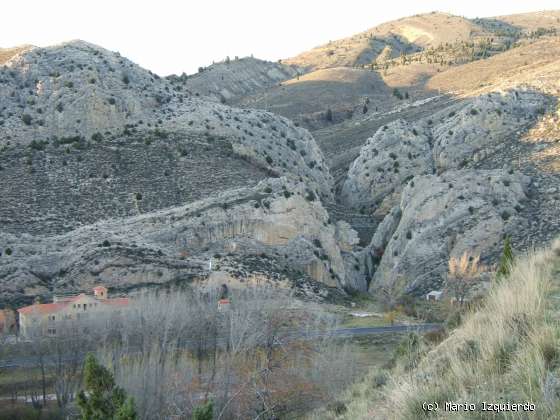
<point>76,316</point>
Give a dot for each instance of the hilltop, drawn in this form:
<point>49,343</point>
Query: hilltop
<point>390,40</point>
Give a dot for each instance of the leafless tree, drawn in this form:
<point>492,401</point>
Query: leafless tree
<point>262,355</point>
<point>462,274</point>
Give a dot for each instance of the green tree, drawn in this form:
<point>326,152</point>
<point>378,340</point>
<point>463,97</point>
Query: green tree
<point>104,399</point>
<point>204,411</point>
<point>506,262</point>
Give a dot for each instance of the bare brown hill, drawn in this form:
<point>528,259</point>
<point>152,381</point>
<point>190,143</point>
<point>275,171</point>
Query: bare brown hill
<point>533,21</point>
<point>7,53</point>
<point>390,39</point>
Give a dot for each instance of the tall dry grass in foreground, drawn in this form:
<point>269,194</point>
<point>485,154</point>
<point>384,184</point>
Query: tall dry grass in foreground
<point>507,350</point>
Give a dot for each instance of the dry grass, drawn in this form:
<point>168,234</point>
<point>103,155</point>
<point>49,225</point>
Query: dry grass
<point>7,53</point>
<point>423,30</point>
<point>534,20</point>
<point>508,350</point>
<point>535,64</point>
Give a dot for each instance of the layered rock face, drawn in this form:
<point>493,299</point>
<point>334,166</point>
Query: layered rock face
<point>458,137</point>
<point>446,185</point>
<point>233,79</point>
<point>443,216</point>
<point>278,219</point>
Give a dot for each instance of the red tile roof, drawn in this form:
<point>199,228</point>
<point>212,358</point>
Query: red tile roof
<point>49,308</point>
<point>43,308</point>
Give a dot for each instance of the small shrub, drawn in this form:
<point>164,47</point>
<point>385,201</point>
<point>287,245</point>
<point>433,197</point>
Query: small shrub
<point>27,119</point>
<point>106,243</point>
<point>8,251</point>
<point>310,196</point>
<point>97,136</point>
<point>380,379</point>
<point>337,407</point>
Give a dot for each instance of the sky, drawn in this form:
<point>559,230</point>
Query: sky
<point>179,36</point>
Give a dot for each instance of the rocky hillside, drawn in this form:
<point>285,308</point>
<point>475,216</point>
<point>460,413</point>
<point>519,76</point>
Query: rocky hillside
<point>430,136</point>
<point>89,135</point>
<point>235,78</point>
<point>277,229</point>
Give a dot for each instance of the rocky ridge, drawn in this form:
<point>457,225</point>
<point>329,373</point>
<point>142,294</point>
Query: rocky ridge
<point>277,219</point>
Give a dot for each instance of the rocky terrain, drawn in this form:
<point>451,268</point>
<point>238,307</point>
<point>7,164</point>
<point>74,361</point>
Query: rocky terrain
<point>363,164</point>
<point>233,79</point>
<point>278,219</point>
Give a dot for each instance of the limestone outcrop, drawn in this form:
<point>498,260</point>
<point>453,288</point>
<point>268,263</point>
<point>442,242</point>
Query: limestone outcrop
<point>460,136</point>
<point>443,216</point>
<point>278,219</point>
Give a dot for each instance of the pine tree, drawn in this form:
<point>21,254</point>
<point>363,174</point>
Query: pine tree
<point>105,400</point>
<point>506,261</point>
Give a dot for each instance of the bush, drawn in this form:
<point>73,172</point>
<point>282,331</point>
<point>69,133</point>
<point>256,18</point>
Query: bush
<point>8,251</point>
<point>337,407</point>
<point>97,136</point>
<point>310,196</point>
<point>380,379</point>
<point>204,411</point>
<point>125,79</point>
<point>27,119</point>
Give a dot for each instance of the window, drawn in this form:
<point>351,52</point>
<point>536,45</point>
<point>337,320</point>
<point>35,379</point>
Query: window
<point>51,331</point>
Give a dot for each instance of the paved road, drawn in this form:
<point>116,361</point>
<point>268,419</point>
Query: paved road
<point>338,333</point>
